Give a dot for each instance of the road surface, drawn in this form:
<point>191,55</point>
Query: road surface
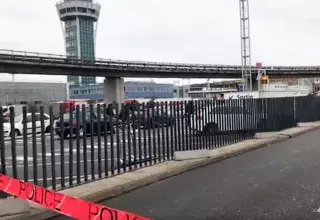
<point>158,144</point>
<point>277,182</point>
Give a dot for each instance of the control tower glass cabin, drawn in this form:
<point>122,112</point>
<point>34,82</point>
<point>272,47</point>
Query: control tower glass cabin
<point>79,21</point>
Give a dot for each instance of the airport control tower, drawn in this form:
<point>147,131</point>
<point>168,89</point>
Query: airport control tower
<point>79,21</point>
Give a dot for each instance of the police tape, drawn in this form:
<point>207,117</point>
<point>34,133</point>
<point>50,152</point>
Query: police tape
<point>63,204</point>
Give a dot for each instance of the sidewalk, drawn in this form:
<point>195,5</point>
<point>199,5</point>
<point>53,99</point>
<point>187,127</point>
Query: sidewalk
<point>278,182</point>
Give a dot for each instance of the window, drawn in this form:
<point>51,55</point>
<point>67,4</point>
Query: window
<point>88,116</point>
<point>38,118</point>
<point>82,92</point>
<point>62,11</point>
<point>29,119</point>
<point>18,119</point>
<point>83,10</point>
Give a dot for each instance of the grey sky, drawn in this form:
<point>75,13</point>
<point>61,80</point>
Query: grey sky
<point>283,32</point>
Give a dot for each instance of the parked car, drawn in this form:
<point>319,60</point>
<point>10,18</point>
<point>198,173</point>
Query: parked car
<point>18,124</point>
<point>225,119</point>
<point>67,128</point>
<point>150,121</point>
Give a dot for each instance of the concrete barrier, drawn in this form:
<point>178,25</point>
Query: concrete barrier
<point>118,185</point>
<point>189,155</point>
<point>308,124</point>
<point>289,133</point>
<point>263,135</point>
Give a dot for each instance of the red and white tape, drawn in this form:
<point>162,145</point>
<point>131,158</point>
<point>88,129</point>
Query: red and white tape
<point>63,204</point>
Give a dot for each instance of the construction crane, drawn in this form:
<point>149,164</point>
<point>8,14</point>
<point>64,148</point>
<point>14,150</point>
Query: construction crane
<point>245,46</point>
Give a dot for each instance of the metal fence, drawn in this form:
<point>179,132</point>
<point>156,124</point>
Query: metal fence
<point>97,142</point>
<point>307,108</point>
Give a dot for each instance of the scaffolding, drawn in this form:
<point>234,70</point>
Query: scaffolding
<point>245,46</point>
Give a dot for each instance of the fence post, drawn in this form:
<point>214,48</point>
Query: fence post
<point>294,110</point>
<point>2,153</point>
<point>13,134</point>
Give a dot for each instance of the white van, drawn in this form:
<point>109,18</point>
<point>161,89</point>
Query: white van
<point>224,119</point>
<point>18,124</point>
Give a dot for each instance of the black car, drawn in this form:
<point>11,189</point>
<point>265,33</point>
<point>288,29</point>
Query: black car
<point>105,124</point>
<point>153,119</point>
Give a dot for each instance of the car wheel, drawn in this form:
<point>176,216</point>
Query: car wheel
<point>48,129</point>
<point>65,135</point>
<point>16,133</point>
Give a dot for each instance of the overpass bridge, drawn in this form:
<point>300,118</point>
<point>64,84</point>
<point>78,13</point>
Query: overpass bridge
<point>23,62</point>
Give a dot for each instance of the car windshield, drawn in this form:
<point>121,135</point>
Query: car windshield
<point>18,119</point>
<point>67,116</point>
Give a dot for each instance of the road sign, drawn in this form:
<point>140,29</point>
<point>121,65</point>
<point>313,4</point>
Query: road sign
<point>259,65</point>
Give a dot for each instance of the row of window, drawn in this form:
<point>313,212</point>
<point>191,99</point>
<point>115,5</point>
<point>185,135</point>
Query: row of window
<point>78,9</point>
<point>88,80</point>
<point>128,89</point>
<point>86,39</point>
<point>148,89</point>
<point>86,91</point>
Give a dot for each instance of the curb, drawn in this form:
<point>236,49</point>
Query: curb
<point>313,128</point>
<point>116,186</point>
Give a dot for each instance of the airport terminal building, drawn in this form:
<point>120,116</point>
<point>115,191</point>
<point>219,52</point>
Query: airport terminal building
<point>32,92</point>
<point>133,90</point>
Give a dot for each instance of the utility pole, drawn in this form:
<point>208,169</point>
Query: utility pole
<point>245,45</point>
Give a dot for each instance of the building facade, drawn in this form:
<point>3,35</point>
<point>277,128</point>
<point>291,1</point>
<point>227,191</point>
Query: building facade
<point>133,90</point>
<point>202,90</point>
<point>26,92</point>
<point>78,20</point>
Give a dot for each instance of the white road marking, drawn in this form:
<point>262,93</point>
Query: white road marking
<point>283,169</point>
<point>59,163</point>
<point>21,158</point>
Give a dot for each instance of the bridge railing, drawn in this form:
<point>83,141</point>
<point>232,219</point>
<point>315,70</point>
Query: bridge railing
<point>108,63</point>
<point>26,54</point>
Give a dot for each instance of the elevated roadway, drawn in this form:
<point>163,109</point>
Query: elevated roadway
<point>49,64</point>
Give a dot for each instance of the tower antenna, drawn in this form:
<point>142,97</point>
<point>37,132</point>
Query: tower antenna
<point>245,45</point>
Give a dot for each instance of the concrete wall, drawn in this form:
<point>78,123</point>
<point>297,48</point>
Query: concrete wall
<point>30,92</point>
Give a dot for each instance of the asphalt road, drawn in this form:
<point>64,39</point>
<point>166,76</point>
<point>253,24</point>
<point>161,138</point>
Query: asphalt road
<point>100,158</point>
<point>277,182</point>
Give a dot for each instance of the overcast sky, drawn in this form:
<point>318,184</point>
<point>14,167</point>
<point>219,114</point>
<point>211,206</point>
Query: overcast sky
<point>283,32</point>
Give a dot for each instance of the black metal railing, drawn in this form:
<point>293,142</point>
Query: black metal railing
<point>96,142</point>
